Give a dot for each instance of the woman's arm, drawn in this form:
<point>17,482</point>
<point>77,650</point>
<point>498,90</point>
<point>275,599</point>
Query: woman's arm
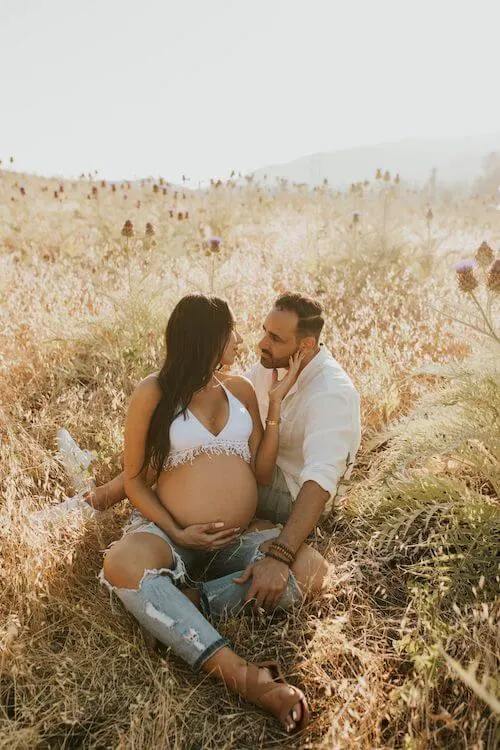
<point>140,412</point>
<point>267,451</point>
<point>264,444</point>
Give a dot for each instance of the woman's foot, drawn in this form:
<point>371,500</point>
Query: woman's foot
<point>285,702</point>
<point>261,685</point>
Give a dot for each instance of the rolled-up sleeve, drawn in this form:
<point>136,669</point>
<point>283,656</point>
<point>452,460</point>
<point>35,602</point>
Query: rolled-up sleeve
<point>331,437</point>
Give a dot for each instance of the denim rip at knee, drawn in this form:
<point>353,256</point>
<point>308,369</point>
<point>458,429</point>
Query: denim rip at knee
<point>167,614</point>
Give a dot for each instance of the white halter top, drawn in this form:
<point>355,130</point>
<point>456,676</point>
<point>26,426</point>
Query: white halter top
<point>189,438</point>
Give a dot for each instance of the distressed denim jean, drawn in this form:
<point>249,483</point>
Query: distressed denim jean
<point>165,611</point>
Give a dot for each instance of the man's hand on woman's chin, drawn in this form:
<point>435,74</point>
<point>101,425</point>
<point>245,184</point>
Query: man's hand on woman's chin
<point>206,536</point>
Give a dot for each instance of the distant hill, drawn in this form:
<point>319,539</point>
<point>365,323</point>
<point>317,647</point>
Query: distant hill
<point>459,160</point>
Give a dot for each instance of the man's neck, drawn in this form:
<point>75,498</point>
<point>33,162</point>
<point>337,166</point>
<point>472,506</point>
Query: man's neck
<point>309,358</point>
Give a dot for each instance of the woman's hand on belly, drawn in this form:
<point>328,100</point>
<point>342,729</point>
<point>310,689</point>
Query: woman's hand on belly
<point>206,536</point>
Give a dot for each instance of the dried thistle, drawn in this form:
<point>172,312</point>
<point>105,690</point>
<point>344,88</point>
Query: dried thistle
<point>214,244</point>
<point>356,216</point>
<point>155,188</point>
<point>128,229</point>
<point>150,231</point>
<point>429,215</point>
<point>484,255</point>
<point>180,216</point>
<point>493,280</point>
<point>466,280</point>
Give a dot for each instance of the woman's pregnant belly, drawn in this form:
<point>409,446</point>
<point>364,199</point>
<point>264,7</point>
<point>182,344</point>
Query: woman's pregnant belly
<point>212,488</point>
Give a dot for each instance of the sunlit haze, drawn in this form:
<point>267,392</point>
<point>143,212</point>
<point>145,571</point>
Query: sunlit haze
<point>200,88</point>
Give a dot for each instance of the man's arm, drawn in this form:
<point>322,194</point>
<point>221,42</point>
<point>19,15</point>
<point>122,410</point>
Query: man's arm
<point>331,431</point>
<point>332,425</point>
<point>306,512</point>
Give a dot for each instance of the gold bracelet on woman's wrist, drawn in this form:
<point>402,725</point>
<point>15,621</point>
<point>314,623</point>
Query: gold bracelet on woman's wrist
<point>273,422</point>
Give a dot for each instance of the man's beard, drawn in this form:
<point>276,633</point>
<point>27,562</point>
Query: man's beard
<point>275,364</point>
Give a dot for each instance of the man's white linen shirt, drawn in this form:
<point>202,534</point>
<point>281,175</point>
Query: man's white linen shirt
<point>320,429</point>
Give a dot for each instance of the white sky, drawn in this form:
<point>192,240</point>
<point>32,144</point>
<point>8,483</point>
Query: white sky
<point>155,87</point>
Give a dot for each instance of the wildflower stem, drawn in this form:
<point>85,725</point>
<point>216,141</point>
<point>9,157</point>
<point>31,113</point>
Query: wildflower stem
<point>457,320</point>
<point>485,317</point>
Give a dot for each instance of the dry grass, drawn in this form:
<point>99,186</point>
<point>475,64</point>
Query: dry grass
<point>414,591</point>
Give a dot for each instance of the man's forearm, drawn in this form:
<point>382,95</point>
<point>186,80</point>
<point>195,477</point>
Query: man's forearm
<point>306,512</point>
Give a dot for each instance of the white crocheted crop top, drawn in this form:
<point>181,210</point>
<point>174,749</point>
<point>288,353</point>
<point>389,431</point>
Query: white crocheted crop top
<point>189,438</point>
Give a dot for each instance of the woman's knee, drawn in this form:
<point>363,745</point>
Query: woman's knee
<point>127,560</point>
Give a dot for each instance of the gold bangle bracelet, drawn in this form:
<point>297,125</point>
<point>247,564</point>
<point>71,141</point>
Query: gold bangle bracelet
<point>273,422</point>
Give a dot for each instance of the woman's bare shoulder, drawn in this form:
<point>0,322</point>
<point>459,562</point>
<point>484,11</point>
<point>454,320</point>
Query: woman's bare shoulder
<point>148,390</point>
<point>239,386</point>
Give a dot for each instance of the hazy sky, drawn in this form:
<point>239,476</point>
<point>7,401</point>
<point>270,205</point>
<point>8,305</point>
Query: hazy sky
<point>155,87</point>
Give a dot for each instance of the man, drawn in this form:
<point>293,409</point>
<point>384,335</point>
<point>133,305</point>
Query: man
<point>319,436</point>
<point>319,431</point>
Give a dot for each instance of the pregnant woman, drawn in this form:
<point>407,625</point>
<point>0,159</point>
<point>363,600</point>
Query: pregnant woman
<point>199,434</point>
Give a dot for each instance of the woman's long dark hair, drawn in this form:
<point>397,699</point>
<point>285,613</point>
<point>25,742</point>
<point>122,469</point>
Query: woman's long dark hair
<point>198,331</point>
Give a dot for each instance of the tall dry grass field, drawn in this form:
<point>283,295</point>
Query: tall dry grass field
<point>403,650</point>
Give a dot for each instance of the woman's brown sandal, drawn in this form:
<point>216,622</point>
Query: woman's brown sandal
<point>255,690</point>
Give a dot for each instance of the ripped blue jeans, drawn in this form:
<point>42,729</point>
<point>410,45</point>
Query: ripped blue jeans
<point>165,611</point>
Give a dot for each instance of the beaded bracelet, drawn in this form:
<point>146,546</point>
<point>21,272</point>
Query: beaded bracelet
<point>283,550</point>
<point>277,557</point>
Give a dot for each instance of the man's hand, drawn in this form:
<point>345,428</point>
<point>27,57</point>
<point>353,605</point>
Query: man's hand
<point>270,578</point>
<point>206,536</point>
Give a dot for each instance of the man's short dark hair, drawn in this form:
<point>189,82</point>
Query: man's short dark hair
<point>308,311</point>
